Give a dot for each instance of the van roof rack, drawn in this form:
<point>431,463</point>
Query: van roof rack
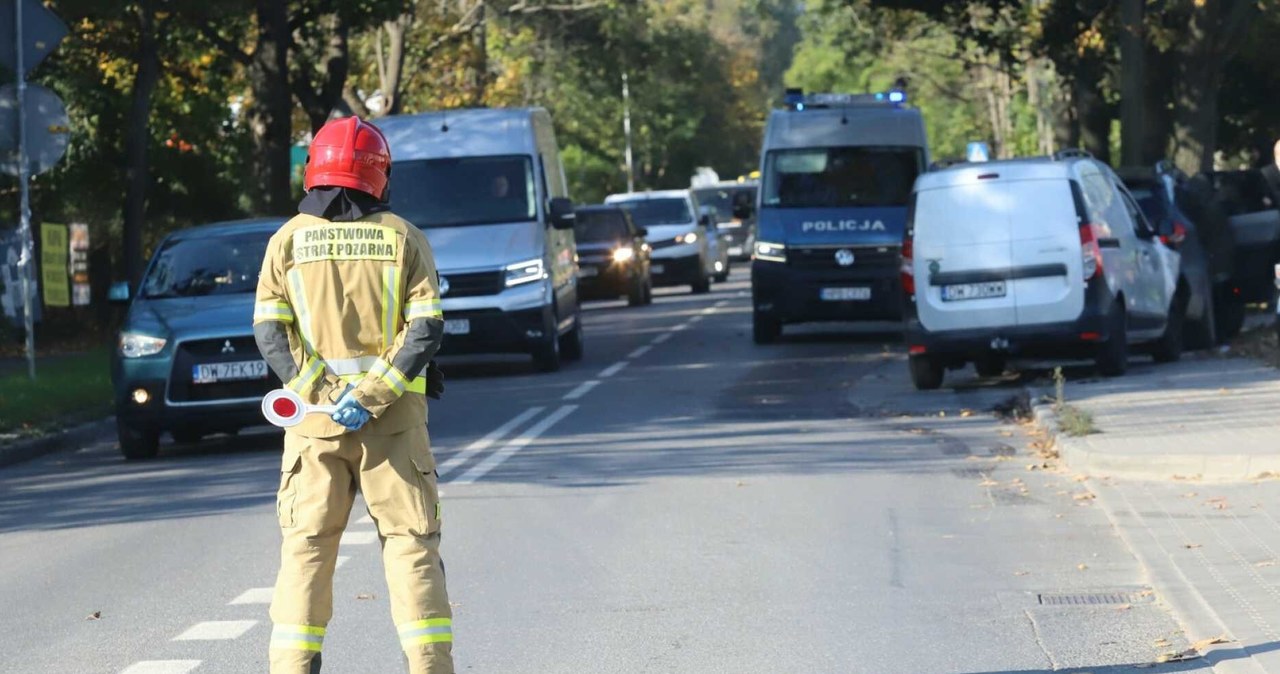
<point>1071,153</point>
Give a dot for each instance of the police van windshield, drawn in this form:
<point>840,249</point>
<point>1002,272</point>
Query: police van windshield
<point>463,191</point>
<point>212,265</point>
<point>728,200</point>
<point>652,212</point>
<point>598,226</point>
<point>835,177</point>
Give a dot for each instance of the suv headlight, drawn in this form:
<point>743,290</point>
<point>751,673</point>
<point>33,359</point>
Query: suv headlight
<point>771,252</point>
<point>691,237</point>
<point>524,272</point>
<point>137,345</point>
<point>623,254</point>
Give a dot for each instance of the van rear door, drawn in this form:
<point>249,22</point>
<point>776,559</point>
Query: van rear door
<point>1045,274</point>
<point>962,253</point>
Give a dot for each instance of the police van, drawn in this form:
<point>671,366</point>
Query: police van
<point>488,189</point>
<point>836,177</point>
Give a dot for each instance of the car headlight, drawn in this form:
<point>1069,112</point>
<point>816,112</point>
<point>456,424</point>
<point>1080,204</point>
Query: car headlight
<point>623,255</point>
<point>137,345</point>
<point>691,237</point>
<point>771,252</point>
<point>524,272</point>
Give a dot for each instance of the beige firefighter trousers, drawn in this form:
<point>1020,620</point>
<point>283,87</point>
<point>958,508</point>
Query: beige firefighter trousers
<point>318,482</point>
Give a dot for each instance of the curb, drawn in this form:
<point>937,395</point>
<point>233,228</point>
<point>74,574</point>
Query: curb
<point>25,450</point>
<point>1189,607</point>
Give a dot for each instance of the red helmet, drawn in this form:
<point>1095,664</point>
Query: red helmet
<point>349,152</point>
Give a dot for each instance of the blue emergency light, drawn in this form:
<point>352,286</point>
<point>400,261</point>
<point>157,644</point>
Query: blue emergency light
<point>796,99</point>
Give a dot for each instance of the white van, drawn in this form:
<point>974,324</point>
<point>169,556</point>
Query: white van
<point>488,189</point>
<point>1042,257</point>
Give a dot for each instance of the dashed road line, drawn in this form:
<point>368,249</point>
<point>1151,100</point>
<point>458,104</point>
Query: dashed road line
<point>367,519</point>
<point>582,389</point>
<point>216,630</point>
<point>257,595</point>
<point>350,537</point>
<point>161,667</point>
<point>640,352</point>
<point>342,559</point>
<point>694,319</point>
<point>661,338</point>
<point>612,369</point>
<point>487,441</point>
<point>515,445</point>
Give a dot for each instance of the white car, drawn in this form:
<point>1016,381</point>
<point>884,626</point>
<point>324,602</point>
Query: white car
<point>1047,257</point>
<point>683,238</point>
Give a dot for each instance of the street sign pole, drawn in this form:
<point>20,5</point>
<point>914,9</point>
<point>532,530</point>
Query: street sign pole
<point>26,259</point>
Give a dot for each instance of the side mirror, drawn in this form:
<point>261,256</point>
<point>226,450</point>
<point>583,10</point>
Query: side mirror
<point>642,232</point>
<point>560,213</point>
<point>119,293</point>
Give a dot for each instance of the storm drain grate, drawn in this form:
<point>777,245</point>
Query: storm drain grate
<point>1092,598</point>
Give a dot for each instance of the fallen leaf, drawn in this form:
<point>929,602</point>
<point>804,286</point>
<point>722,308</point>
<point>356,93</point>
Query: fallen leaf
<point>1033,466</point>
<point>96,615</point>
<point>1021,573</point>
<point>988,483</point>
<point>1057,516</point>
<point>1124,607</point>
<point>364,596</point>
<point>1081,478</point>
<point>1190,494</point>
<point>1082,567</point>
<point>1006,434</point>
<point>1205,643</point>
<point>1265,562</point>
<point>741,483</point>
<point>1085,496</point>
<point>1161,643</point>
<point>1191,546</point>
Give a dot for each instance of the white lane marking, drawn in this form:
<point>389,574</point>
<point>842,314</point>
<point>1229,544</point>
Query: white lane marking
<point>216,630</point>
<point>582,389</point>
<point>257,595</point>
<point>367,519</point>
<point>695,319</point>
<point>161,667</point>
<point>680,328</point>
<point>612,369</point>
<point>661,338</point>
<point>516,444</point>
<point>358,538</point>
<point>342,559</point>
<point>487,441</point>
<point>710,310</point>
<point>640,351</point>
<point>722,303</point>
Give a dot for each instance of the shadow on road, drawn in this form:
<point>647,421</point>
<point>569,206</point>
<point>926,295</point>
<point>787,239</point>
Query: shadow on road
<point>1211,659</point>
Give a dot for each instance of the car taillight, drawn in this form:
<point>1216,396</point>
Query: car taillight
<point>1090,251</point>
<point>907,270</point>
<point>1177,237</point>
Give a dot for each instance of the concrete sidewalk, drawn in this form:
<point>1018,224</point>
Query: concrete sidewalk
<point>1176,466</point>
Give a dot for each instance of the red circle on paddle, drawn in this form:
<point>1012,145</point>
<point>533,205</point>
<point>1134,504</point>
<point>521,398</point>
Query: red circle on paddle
<point>284,407</point>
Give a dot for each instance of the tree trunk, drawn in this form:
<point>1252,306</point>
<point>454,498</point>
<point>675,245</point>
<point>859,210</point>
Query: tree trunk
<point>319,103</point>
<point>1133,53</point>
<point>1092,110</point>
<point>271,110</point>
<point>393,71</point>
<point>1195,130</point>
<point>1158,122</point>
<point>137,138</point>
<point>479,66</point>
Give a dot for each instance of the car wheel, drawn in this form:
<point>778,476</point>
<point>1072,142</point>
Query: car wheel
<point>137,444</point>
<point>990,365</point>
<point>546,354</point>
<point>1169,348</point>
<point>702,285</point>
<point>187,436</point>
<point>764,329</point>
<point>927,373</point>
<point>571,344</point>
<point>1113,354</point>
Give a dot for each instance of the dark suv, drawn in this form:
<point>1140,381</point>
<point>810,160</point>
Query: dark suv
<point>613,258</point>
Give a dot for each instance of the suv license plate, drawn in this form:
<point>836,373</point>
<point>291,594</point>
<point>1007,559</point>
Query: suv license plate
<point>457,326</point>
<point>212,373</point>
<point>973,291</point>
<point>845,294</point>
<point>588,272</point>
<point>657,269</point>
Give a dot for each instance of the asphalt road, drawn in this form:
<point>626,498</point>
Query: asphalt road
<point>679,501</point>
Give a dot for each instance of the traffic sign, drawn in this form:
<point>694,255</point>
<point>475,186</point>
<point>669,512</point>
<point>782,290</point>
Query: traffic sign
<point>42,30</point>
<point>48,129</point>
<point>284,408</point>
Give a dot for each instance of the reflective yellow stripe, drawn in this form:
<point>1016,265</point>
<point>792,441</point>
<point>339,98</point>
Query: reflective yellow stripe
<point>423,309</point>
<point>297,637</point>
<point>429,631</point>
<point>416,385</point>
<point>389,374</point>
<point>272,311</point>
<point>311,371</point>
<point>390,305</point>
<point>300,303</point>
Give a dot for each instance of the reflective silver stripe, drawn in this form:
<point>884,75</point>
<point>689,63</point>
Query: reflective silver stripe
<point>345,367</point>
<point>304,314</point>
<point>272,311</point>
<point>427,630</point>
<point>423,309</point>
<point>390,305</point>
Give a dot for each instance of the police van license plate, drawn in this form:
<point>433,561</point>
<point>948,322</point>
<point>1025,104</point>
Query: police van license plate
<point>656,269</point>
<point>212,373</point>
<point>735,250</point>
<point>457,326</point>
<point>973,291</point>
<point>845,294</point>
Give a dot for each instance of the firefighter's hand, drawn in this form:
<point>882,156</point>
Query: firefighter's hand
<point>435,381</point>
<point>350,414</point>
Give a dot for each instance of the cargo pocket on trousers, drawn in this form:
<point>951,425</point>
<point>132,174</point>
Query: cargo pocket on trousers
<point>425,470</point>
<point>287,496</point>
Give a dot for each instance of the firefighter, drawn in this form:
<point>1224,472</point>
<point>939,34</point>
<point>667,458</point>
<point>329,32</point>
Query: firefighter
<point>348,313</point>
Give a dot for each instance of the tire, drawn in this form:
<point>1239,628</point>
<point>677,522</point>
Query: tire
<point>137,444</point>
<point>990,365</point>
<point>701,286</point>
<point>571,344</point>
<point>1113,354</point>
<point>1203,334</point>
<point>765,330</point>
<point>926,373</point>
<point>1169,348</point>
<point>187,436</point>
<point>546,355</point>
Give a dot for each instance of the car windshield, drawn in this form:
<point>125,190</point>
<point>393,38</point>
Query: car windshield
<point>728,200</point>
<point>651,212</point>
<point>599,226</point>
<point>1152,204</point>
<point>840,176</point>
<point>210,265</point>
<point>464,191</point>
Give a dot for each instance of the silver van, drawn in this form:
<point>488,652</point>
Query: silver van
<point>488,189</point>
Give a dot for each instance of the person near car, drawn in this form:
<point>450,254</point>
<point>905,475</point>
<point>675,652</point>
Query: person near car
<point>1272,171</point>
<point>348,314</point>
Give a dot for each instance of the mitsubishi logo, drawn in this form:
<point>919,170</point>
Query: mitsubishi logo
<point>844,257</point>
<point>227,348</point>
<point>444,286</point>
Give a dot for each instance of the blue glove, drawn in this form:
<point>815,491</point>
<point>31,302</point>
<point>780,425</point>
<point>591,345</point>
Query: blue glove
<point>350,414</point>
